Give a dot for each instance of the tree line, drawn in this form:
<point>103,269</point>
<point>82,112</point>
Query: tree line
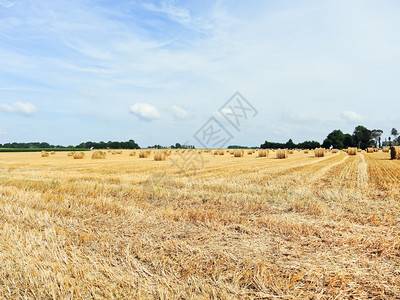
<point>361,137</point>
<point>290,145</point>
<point>86,145</point>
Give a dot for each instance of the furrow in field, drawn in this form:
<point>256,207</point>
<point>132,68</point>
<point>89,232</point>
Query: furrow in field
<point>384,173</point>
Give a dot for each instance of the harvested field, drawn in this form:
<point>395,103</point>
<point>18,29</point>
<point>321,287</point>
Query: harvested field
<point>248,228</point>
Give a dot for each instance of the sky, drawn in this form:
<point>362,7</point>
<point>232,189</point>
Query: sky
<point>159,72</point>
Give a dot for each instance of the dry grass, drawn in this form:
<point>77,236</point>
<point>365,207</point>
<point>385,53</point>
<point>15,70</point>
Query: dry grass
<point>282,153</point>
<point>319,152</point>
<point>395,152</point>
<point>99,154</point>
<point>79,155</point>
<point>129,228</point>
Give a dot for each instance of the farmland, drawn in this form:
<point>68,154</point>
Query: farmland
<point>225,227</point>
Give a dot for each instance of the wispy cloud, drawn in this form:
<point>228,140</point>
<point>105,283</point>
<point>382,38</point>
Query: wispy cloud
<point>145,111</point>
<point>351,116</point>
<point>7,4</point>
<point>26,109</point>
<point>178,112</point>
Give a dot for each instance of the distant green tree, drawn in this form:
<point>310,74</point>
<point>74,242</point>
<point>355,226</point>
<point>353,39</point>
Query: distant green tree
<point>376,135</point>
<point>348,141</point>
<point>335,139</point>
<point>395,134</point>
<point>290,145</point>
<point>362,137</point>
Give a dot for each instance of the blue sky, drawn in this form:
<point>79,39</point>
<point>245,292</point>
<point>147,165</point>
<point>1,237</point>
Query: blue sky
<point>156,71</point>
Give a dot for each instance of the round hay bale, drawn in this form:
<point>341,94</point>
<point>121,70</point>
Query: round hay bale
<point>395,152</point>
<point>99,155</point>
<point>263,153</point>
<point>45,154</point>
<point>159,156</point>
<point>352,151</point>
<point>144,154</point>
<point>238,153</point>
<point>319,152</point>
<point>282,153</point>
<point>79,155</point>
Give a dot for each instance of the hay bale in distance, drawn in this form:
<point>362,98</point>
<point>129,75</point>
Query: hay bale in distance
<point>335,150</point>
<point>159,156</point>
<point>319,152</point>
<point>133,153</point>
<point>53,152</point>
<point>370,150</point>
<point>144,154</point>
<point>386,149</point>
<point>99,155</point>
<point>238,153</point>
<point>306,151</point>
<point>282,153</point>
<point>71,153</point>
<point>352,151</point>
<point>263,153</point>
<point>79,155</point>
<point>45,154</point>
<point>395,152</point>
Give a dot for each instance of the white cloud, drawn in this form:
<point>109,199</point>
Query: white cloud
<point>351,116</point>
<point>179,113</point>
<point>145,111</point>
<point>175,13</point>
<point>26,109</point>
<point>7,4</point>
